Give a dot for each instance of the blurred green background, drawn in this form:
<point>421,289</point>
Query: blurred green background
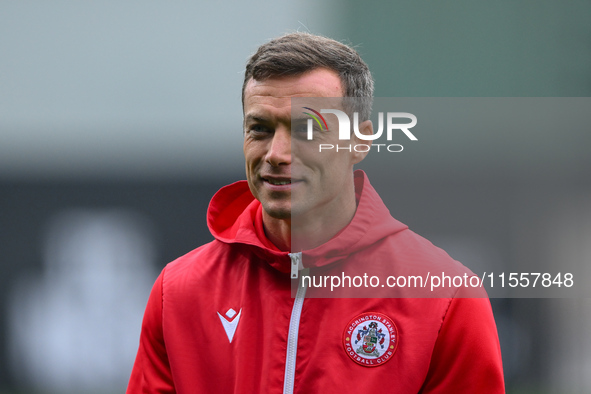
<point>135,107</point>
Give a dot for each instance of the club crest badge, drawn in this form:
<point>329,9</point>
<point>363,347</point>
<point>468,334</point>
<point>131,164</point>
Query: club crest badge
<point>370,339</point>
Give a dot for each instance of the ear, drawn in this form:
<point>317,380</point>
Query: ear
<point>365,128</point>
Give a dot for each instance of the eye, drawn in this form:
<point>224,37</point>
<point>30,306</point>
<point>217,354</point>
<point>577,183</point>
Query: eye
<point>299,129</point>
<point>258,130</point>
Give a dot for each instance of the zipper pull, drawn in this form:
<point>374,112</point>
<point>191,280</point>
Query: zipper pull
<point>296,264</point>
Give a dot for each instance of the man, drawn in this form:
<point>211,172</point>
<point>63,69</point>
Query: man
<point>222,319</point>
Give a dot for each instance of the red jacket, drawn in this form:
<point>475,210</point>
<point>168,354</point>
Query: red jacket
<point>221,319</point>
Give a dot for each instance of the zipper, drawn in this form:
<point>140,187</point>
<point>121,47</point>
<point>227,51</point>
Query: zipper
<point>294,323</point>
<point>296,264</point>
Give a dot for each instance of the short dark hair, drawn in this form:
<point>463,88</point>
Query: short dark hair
<point>297,53</point>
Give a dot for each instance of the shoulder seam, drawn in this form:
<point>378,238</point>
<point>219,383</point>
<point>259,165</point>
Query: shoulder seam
<point>162,299</point>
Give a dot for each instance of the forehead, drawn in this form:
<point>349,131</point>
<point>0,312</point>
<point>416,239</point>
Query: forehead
<point>276,92</point>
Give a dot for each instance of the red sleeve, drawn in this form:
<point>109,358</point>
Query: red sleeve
<point>151,370</point>
<point>467,355</point>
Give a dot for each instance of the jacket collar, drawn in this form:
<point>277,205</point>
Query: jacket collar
<point>235,217</point>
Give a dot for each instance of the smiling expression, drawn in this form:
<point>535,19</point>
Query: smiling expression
<point>285,172</point>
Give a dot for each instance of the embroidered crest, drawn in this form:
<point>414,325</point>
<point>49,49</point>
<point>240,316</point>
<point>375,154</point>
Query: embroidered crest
<point>370,339</point>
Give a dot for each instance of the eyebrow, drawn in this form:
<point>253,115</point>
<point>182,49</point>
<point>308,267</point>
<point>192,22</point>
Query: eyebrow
<point>256,118</point>
<point>262,119</point>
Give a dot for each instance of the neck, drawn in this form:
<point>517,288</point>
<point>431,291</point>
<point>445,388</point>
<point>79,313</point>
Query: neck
<point>309,230</point>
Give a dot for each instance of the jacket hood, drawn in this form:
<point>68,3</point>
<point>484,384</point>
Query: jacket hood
<point>235,216</point>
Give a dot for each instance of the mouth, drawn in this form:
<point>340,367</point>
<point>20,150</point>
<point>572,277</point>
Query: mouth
<point>277,181</point>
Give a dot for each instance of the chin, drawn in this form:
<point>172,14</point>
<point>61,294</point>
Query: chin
<point>275,212</point>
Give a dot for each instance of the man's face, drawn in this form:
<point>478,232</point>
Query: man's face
<point>285,172</point>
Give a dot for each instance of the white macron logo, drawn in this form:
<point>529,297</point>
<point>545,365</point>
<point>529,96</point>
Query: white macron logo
<point>230,325</point>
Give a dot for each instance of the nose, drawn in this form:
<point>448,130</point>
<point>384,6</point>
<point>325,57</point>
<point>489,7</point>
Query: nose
<point>280,148</point>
